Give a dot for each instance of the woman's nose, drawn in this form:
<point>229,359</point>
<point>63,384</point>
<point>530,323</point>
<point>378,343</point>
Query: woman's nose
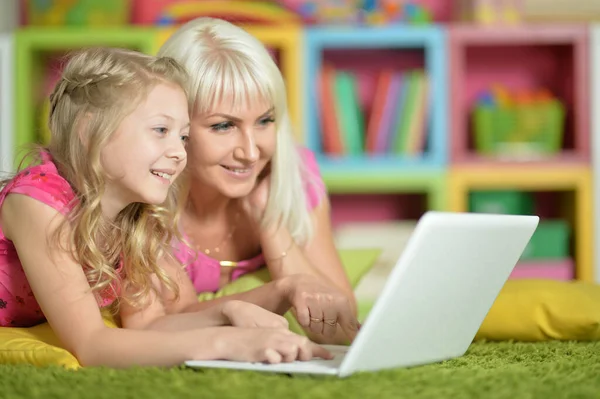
<point>247,149</point>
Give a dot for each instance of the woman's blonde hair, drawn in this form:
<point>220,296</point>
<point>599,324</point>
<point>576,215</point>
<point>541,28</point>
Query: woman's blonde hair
<point>226,62</point>
<point>99,87</point>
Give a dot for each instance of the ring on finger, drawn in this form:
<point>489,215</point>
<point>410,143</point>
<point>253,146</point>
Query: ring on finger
<point>316,320</point>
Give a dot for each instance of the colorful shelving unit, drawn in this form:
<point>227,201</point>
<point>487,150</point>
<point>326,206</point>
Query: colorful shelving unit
<point>286,44</point>
<point>459,61</point>
<point>365,52</point>
<point>6,102</point>
<point>595,105</point>
<point>556,58</point>
<point>35,48</point>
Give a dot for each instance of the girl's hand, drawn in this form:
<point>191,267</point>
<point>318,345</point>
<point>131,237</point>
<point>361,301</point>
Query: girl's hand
<point>247,315</point>
<point>319,308</point>
<point>267,346</point>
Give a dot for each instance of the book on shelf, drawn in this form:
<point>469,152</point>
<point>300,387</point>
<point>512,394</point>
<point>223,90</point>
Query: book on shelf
<point>396,124</point>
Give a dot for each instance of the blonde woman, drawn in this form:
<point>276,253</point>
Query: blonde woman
<point>88,227</point>
<point>255,197</point>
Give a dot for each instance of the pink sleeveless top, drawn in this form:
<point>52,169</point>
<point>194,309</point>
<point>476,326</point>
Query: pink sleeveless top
<point>18,306</point>
<point>205,271</point>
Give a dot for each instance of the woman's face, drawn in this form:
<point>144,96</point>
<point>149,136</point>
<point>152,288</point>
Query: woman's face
<point>229,148</point>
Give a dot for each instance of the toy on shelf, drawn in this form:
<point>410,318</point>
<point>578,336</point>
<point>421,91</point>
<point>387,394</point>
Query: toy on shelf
<point>76,12</point>
<point>175,12</point>
<point>491,12</point>
<point>367,12</point>
<point>517,125</point>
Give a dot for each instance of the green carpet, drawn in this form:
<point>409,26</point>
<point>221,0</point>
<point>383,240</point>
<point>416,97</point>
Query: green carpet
<point>490,370</point>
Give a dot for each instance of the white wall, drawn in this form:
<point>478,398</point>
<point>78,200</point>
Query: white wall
<point>6,103</point>
<point>9,15</point>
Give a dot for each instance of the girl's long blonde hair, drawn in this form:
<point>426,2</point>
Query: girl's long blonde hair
<point>225,61</point>
<point>99,87</point>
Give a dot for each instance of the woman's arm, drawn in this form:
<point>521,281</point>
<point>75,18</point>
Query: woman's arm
<point>63,293</point>
<point>319,258</point>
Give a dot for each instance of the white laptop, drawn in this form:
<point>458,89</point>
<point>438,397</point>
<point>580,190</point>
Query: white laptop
<point>438,294</point>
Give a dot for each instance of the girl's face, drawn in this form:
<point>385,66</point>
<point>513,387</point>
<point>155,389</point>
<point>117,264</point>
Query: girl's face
<point>147,152</point>
<point>229,148</point>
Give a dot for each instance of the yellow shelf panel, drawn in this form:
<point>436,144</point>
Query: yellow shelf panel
<point>560,178</point>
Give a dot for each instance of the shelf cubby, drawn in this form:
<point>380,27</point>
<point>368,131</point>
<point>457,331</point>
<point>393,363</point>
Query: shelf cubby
<point>563,192</point>
<point>522,60</point>
<point>382,198</point>
<point>364,52</point>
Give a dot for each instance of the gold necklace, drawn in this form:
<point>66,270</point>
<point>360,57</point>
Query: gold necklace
<point>217,249</point>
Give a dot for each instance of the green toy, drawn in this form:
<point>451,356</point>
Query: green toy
<point>530,124</point>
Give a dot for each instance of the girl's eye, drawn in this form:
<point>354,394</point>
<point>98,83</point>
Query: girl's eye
<point>222,127</point>
<point>161,130</point>
<point>185,139</point>
<point>267,121</point>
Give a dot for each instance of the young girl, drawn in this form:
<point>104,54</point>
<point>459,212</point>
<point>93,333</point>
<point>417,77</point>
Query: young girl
<point>88,227</point>
<point>255,198</point>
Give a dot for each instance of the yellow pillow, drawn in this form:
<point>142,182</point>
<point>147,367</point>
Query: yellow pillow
<point>543,310</point>
<point>40,347</point>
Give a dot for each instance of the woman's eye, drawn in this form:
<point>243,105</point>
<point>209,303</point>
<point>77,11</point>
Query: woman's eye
<point>161,130</point>
<point>222,127</point>
<point>185,139</point>
<point>267,121</point>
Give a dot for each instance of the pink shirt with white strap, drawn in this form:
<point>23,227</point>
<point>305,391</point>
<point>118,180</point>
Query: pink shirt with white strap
<point>205,271</point>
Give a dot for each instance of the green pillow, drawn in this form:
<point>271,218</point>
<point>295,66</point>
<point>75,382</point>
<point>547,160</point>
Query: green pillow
<point>356,262</point>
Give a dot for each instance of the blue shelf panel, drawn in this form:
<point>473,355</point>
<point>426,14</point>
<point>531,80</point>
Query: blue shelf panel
<point>374,37</point>
<point>383,164</point>
<point>431,39</point>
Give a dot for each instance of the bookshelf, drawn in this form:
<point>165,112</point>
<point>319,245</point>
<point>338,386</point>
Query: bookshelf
<point>6,100</point>
<point>359,50</point>
<point>362,180</point>
<point>559,182</point>
<point>459,61</point>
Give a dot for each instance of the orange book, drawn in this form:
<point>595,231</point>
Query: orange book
<point>331,137</point>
